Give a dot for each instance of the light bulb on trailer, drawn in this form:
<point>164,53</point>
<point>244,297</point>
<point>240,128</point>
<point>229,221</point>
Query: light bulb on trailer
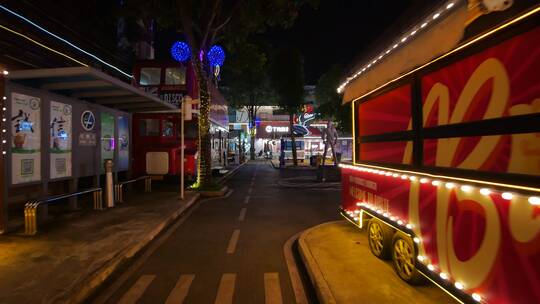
<point>534,200</point>
<point>485,191</point>
<point>507,195</point>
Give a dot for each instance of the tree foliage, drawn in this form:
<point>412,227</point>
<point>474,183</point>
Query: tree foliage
<point>205,22</point>
<point>330,101</point>
<point>247,83</point>
<point>287,75</point>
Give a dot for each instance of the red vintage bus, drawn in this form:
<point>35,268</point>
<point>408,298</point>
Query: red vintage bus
<point>157,135</point>
<point>446,167</point>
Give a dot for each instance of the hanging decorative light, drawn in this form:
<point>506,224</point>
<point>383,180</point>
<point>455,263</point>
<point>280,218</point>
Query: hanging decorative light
<point>216,56</point>
<point>180,51</point>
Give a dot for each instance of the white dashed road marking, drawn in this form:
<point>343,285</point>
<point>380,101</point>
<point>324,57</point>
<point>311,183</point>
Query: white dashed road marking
<point>272,289</point>
<point>242,216</point>
<point>233,241</point>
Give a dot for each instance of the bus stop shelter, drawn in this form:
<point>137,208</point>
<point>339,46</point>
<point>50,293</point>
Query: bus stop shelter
<point>59,126</point>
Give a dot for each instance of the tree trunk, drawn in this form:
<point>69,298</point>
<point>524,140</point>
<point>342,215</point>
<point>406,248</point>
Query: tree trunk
<point>252,148</point>
<point>251,117</point>
<point>204,167</point>
<point>293,142</point>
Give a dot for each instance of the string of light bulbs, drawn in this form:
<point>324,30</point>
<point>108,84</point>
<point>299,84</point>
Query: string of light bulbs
<point>64,40</point>
<point>415,30</point>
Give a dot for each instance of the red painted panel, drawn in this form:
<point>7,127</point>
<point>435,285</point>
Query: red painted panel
<point>498,82</point>
<point>390,112</point>
<point>388,152</point>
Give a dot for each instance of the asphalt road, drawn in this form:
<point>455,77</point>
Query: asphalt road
<point>230,250</point>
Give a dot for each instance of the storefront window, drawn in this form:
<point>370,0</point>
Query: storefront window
<point>150,76</point>
<point>168,128</point>
<point>149,127</point>
<point>175,76</point>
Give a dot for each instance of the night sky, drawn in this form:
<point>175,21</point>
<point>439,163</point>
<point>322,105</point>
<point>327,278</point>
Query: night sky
<point>338,31</point>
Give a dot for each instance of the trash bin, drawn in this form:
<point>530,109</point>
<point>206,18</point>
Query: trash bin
<point>338,157</point>
<point>313,160</point>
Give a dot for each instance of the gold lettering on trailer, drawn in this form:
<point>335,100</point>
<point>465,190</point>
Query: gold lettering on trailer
<point>474,271</point>
<point>524,226</point>
<point>490,69</point>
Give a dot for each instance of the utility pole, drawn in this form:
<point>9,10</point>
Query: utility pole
<point>185,115</point>
<point>182,149</point>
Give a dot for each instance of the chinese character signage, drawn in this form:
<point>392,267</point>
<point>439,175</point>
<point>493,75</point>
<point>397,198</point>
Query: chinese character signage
<point>60,140</point>
<point>123,143</point>
<point>107,138</point>
<point>25,138</point>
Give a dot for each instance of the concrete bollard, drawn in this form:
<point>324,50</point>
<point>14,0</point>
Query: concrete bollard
<point>109,188</point>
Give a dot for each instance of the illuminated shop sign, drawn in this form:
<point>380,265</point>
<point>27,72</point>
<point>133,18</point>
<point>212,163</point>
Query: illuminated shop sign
<point>274,129</point>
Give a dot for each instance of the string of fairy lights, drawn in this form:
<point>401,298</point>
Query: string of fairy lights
<point>4,109</point>
<point>356,215</point>
<point>422,26</point>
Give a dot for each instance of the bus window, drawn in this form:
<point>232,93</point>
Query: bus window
<point>192,130</point>
<point>150,76</point>
<point>149,127</point>
<point>168,128</point>
<point>175,76</point>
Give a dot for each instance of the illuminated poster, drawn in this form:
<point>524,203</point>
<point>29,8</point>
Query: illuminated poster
<point>26,138</point>
<point>107,138</point>
<point>60,140</point>
<point>123,142</point>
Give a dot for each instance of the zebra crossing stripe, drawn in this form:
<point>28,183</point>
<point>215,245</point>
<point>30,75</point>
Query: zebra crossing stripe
<point>225,291</point>
<point>180,290</point>
<point>137,290</point>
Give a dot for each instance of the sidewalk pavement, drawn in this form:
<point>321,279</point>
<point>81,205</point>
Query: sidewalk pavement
<point>343,270</point>
<point>71,257</point>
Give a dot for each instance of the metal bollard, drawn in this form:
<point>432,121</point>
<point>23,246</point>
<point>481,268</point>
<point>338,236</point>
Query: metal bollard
<point>97,200</point>
<point>148,184</point>
<point>26,218</point>
<point>30,218</point>
<point>120,192</point>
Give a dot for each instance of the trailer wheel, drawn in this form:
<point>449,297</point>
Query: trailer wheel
<point>379,238</point>
<point>404,259</point>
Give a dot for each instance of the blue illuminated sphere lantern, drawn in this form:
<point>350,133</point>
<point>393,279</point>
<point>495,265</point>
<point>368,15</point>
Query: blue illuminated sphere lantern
<point>180,51</point>
<point>216,56</point>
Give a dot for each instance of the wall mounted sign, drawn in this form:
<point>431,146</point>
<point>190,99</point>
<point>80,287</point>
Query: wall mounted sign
<point>60,140</point>
<point>276,129</point>
<point>87,139</point>
<point>88,120</point>
<point>123,143</point>
<point>26,138</point>
<point>107,137</point>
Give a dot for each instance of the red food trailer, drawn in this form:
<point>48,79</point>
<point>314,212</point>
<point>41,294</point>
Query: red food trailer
<point>446,167</point>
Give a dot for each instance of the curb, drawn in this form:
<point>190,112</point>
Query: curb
<point>324,293</point>
<point>91,284</point>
